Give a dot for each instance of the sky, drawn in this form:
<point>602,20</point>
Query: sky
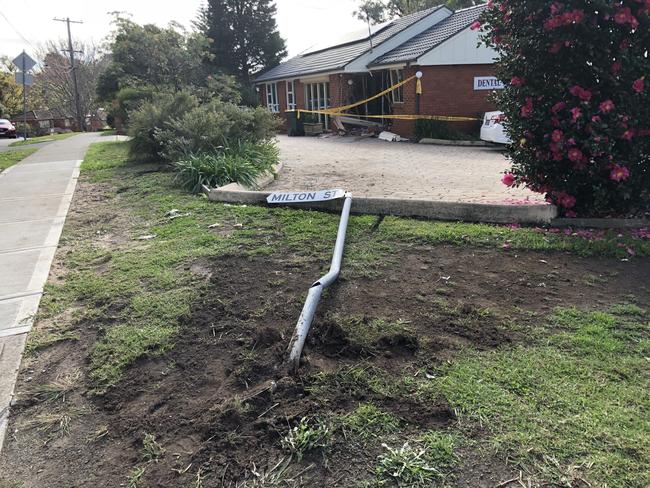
<point>26,24</point>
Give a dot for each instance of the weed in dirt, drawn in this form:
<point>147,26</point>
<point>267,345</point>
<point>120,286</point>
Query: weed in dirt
<point>628,309</point>
<point>611,243</point>
<point>371,333</point>
<point>151,449</point>
<point>354,381</point>
<point>307,436</point>
<point>440,449</point>
<point>45,337</point>
<point>54,423</point>
<point>366,422</point>
<point>406,466</point>
<point>569,407</point>
<point>121,346</point>
<point>135,475</point>
<point>59,388</point>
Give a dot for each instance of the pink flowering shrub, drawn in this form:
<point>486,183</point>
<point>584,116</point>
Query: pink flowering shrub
<point>577,100</point>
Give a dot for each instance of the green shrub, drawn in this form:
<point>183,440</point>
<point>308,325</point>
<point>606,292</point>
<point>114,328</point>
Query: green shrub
<point>206,128</point>
<point>242,163</point>
<point>435,129</point>
<point>151,118</point>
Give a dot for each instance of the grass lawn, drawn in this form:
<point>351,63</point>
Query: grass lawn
<point>48,138</point>
<point>446,355</point>
<point>9,158</point>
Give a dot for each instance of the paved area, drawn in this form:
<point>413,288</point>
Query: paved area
<point>35,196</point>
<point>374,168</point>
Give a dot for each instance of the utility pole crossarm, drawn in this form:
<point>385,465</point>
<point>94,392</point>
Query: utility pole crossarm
<point>73,69</point>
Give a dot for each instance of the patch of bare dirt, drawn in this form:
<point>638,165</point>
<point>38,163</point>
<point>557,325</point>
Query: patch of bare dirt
<point>221,400</point>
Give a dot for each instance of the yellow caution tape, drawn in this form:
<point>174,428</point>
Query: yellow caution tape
<point>444,118</point>
<point>339,111</point>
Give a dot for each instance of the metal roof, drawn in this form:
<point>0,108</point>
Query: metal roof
<point>432,37</point>
<point>337,57</point>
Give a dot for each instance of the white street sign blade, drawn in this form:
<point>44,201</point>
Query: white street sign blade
<point>25,58</point>
<point>29,79</point>
<point>305,196</point>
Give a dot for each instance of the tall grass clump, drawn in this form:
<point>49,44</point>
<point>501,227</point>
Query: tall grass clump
<point>242,163</point>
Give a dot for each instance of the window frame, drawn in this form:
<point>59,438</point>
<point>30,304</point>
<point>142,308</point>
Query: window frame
<point>272,97</point>
<point>397,76</point>
<point>291,93</point>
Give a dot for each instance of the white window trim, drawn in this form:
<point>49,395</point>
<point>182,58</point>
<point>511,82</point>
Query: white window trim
<point>397,95</point>
<point>292,105</point>
<point>272,97</point>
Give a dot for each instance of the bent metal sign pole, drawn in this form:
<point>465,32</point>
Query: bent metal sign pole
<point>316,290</point>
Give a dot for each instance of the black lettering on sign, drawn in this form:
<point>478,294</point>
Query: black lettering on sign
<point>326,195</point>
<point>277,197</point>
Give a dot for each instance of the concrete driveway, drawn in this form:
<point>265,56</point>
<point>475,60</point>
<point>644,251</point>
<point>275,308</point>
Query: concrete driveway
<point>374,168</point>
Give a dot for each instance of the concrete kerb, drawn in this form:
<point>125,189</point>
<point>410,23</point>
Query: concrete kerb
<point>466,212</point>
<point>449,142</point>
<point>262,182</point>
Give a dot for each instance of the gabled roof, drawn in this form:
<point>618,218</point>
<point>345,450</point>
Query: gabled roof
<point>337,57</point>
<point>432,37</point>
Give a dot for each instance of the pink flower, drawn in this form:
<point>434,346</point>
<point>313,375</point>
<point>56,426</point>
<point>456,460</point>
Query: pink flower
<point>575,154</point>
<point>565,200</point>
<point>527,109</point>
<point>576,114</point>
<point>558,106</point>
<point>595,118</point>
<point>578,91</point>
<point>616,68</point>
<point>628,135</point>
<point>619,173</point>
<point>556,135</point>
<point>476,25</point>
<point>607,106</point>
<point>517,81</point>
<point>508,179</point>
<point>638,85</point>
<point>623,15</point>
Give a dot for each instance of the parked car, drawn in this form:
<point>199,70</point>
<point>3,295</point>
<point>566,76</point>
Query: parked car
<point>7,129</point>
<point>492,129</point>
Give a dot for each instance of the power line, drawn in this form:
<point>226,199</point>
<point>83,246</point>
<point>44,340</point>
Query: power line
<point>17,31</point>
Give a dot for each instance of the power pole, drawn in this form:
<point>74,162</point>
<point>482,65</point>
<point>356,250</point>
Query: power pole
<point>73,68</point>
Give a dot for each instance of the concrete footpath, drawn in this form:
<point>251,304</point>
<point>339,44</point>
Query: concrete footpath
<point>35,196</point>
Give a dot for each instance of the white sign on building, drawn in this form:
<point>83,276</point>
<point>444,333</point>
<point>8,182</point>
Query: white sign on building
<point>487,83</point>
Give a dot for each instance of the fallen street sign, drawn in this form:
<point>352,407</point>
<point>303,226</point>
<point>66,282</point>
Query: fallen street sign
<point>305,196</point>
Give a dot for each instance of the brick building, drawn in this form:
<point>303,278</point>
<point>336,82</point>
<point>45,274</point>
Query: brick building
<point>457,76</point>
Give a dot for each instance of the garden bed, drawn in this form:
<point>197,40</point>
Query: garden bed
<point>158,355</point>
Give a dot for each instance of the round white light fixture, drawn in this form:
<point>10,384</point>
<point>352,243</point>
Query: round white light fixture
<point>418,74</point>
<point>257,89</point>
<point>350,82</point>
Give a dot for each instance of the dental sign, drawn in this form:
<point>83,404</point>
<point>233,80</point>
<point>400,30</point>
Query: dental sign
<point>487,83</point>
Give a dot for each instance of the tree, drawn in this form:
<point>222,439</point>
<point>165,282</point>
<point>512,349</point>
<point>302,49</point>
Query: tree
<point>53,87</point>
<point>577,100</point>
<point>243,34</point>
<point>147,56</point>
<point>11,94</point>
<point>378,11</point>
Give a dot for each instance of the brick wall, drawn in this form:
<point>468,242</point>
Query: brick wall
<point>446,90</point>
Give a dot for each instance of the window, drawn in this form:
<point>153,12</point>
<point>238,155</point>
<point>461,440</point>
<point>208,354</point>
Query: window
<point>272,97</point>
<point>291,95</point>
<point>396,76</point>
<point>317,97</point>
